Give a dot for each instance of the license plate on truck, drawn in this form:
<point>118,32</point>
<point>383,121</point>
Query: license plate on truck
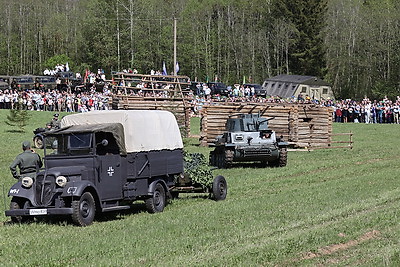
<point>38,212</point>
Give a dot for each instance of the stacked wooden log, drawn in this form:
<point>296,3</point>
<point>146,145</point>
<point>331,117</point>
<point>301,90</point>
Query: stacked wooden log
<point>302,125</point>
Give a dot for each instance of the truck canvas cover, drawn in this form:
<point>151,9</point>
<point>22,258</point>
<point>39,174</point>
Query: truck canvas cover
<point>144,130</point>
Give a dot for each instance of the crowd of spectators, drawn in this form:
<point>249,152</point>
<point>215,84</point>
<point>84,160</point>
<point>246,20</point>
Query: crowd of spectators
<point>93,93</point>
<point>367,111</point>
<point>55,100</point>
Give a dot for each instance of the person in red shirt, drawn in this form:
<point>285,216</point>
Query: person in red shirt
<point>338,114</point>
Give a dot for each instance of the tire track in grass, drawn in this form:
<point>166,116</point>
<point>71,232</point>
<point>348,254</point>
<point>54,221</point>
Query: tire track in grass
<point>247,241</point>
<point>342,166</point>
<point>265,236</point>
<point>319,170</point>
<point>328,250</point>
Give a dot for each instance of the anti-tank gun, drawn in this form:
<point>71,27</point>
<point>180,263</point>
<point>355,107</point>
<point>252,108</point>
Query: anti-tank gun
<point>248,139</point>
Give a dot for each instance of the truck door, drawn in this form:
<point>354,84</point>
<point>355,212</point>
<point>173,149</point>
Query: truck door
<point>110,174</point>
<point>110,180</point>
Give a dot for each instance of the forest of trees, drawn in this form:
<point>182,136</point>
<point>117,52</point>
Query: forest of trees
<point>353,44</point>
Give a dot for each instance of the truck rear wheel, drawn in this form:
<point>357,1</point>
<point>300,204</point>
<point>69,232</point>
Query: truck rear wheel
<point>219,188</point>
<point>84,210</point>
<point>156,203</point>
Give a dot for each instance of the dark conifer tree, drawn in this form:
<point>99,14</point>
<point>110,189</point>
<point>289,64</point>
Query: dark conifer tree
<point>306,55</point>
<point>18,118</point>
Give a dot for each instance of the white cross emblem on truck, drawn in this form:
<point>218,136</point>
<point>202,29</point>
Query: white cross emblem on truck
<point>110,171</point>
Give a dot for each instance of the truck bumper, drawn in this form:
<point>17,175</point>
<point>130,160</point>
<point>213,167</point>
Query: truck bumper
<point>39,212</point>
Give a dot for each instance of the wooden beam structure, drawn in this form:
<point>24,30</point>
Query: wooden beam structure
<point>154,92</point>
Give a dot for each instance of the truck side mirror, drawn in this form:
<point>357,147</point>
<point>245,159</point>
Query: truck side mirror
<point>104,142</point>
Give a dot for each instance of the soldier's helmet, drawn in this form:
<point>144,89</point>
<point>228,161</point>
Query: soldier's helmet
<point>26,145</point>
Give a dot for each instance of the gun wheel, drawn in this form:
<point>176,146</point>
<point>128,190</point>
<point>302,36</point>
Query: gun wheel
<point>38,142</point>
<point>219,188</point>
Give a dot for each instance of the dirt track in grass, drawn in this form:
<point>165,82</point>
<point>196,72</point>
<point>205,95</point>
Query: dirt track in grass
<point>328,250</point>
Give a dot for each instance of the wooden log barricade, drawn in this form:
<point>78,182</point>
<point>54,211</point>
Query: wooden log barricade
<point>302,125</point>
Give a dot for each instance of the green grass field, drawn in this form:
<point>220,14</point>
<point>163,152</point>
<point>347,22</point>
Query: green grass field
<point>327,207</point>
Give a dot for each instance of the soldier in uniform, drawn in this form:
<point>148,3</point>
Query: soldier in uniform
<point>28,162</point>
<point>55,123</point>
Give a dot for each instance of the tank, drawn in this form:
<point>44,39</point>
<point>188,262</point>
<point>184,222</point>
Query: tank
<point>249,139</point>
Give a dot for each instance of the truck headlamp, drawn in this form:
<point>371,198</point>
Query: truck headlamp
<point>27,182</point>
<point>61,181</point>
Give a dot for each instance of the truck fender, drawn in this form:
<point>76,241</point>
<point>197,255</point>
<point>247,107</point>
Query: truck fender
<point>17,190</point>
<point>153,185</point>
<point>76,189</point>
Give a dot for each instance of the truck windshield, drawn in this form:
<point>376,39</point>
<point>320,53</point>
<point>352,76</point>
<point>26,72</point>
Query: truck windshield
<point>70,144</point>
<point>80,141</point>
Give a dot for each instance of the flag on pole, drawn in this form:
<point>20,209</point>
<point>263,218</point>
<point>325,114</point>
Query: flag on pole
<point>164,69</point>
<point>66,67</point>
<point>244,79</point>
<point>177,67</point>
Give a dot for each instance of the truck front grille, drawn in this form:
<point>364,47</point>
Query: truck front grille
<point>45,186</point>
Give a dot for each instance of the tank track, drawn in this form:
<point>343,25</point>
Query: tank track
<point>228,158</point>
<point>221,158</point>
<point>283,157</point>
<point>282,160</point>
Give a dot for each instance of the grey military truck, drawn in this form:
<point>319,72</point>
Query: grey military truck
<point>105,160</point>
<point>248,139</point>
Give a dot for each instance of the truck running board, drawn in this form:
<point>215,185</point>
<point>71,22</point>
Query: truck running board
<point>115,208</point>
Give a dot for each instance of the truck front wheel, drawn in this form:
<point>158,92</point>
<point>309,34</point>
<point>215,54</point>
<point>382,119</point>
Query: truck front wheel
<point>156,203</point>
<point>16,204</point>
<point>84,210</point>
